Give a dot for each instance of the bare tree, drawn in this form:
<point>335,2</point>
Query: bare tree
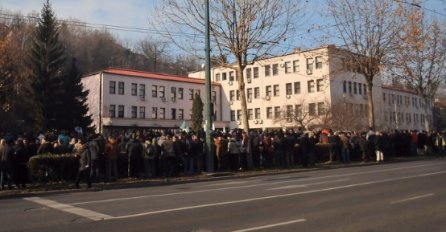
<point>368,29</point>
<point>154,50</point>
<point>421,57</point>
<point>242,31</point>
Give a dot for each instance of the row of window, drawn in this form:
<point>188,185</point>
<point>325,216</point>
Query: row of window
<point>157,113</point>
<point>274,90</point>
<point>158,91</point>
<point>273,69</point>
<point>398,100</point>
<point>400,117</point>
<point>352,87</point>
<point>278,112</point>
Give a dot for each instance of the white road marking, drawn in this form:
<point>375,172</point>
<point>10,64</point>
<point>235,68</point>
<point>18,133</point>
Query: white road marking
<point>302,186</point>
<point>248,186</point>
<point>95,216</point>
<point>271,225</point>
<point>227,183</point>
<point>275,196</point>
<point>412,198</point>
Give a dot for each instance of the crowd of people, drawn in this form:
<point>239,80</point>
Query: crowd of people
<point>151,154</point>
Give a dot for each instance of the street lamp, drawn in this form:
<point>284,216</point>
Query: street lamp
<point>208,108</point>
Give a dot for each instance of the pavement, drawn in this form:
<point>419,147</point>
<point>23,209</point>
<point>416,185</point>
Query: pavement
<point>68,187</point>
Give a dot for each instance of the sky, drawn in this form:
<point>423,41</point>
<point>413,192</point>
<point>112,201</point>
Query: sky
<point>136,14</point>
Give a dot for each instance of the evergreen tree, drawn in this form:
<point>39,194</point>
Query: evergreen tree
<point>197,113</point>
<point>75,106</point>
<point>47,58</point>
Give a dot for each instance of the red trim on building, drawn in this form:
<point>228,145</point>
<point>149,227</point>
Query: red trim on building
<point>399,89</point>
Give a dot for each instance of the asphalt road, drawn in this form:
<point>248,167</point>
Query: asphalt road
<point>409,196</point>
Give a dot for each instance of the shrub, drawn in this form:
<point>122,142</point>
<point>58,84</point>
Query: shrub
<point>53,167</point>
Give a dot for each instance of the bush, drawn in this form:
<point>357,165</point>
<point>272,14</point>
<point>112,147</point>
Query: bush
<point>53,167</point>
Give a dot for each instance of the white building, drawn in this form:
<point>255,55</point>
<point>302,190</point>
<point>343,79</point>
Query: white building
<point>312,88</point>
<point>120,98</point>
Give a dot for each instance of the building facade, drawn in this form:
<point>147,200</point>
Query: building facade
<point>130,99</point>
<point>310,89</point>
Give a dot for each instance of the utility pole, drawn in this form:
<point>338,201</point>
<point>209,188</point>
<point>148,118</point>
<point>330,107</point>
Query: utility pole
<point>208,108</point>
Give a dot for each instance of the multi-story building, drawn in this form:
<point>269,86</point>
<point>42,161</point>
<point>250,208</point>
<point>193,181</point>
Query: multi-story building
<point>312,88</point>
<point>120,98</point>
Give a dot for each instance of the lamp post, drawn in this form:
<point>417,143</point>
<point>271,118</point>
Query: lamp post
<point>208,108</point>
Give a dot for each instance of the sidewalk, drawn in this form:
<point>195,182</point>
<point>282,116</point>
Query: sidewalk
<point>68,187</point>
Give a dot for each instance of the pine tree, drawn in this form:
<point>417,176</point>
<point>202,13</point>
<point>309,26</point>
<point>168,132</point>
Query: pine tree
<point>47,57</point>
<point>197,114</point>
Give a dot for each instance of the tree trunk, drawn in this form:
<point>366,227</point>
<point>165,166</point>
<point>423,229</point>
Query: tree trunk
<point>371,113</point>
<point>427,124</point>
<point>245,121</point>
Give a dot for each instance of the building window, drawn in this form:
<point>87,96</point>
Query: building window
<point>269,112</point>
<point>287,67</point>
<point>318,62</point>
<point>311,86</point>
<point>320,108</point>
<point>249,93</point>
<point>180,114</point>
<point>248,73</point>
<point>154,90</point>
<point>142,112</point>
<point>276,90</point>
<point>257,92</point>
<point>355,89</point>
<point>312,109</point>
<point>295,66</point>
<point>359,89</point>
<point>162,90</point>
<point>288,89</point>
<point>350,87</point>
<point>344,86</point>
<point>267,70</point>
<point>142,90</point>
<point>180,93</point>
<point>310,64</point>
<point>239,115</point>
<point>250,114</point>
<point>365,89</point>
<point>277,112</point>
<point>112,88</point>
<point>173,113</point>
<point>214,96</point>
<point>162,113</point>
<point>237,93</point>
<point>134,111</point>
<point>173,91</point>
<point>319,85</point>
<point>384,97</point>
<point>231,76</point>
<point>121,88</point>
<point>111,111</point>
<point>217,77</point>
<point>298,111</point>
<point>134,89</point>
<point>231,95</point>
<point>257,113</point>
<point>232,115</point>
<point>255,72</point>
<point>275,69</point>
<point>154,113</point>
<point>268,90</point>
<point>223,77</point>
<point>289,111</point>
<point>191,94</point>
<point>296,87</point>
<point>120,111</point>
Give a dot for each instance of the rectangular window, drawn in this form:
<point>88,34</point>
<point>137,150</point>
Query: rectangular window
<point>231,95</point>
<point>365,89</point>
<point>180,114</point>
<point>214,96</point>
<point>344,86</point>
<point>268,90</point>
<point>296,87</point>
<point>298,111</point>
<point>134,111</point>
<point>231,76</point>
<point>154,90</point>
<point>349,87</point>
<point>154,113</point>
<point>173,113</point>
<point>295,66</point>
<point>248,73</point>
<point>318,62</point>
<point>173,91</point>
<point>257,92</point>
<point>267,70</point>
<point>257,113</point>
<point>355,89</point>
<point>180,93</point>
<point>112,111</point>
<point>112,88</point>
<point>232,115</point>
<point>134,89</point>
<point>277,112</point>
<point>217,77</point>
<point>310,64</point>
<point>287,67</point>
<point>237,93</point>
<point>142,90</point>
<point>311,86</point>
<point>250,114</point>
<point>276,90</point>
<point>255,72</point>
<point>275,69</point>
<point>162,113</point>
<point>142,112</point>
<point>223,77</point>
<point>191,94</point>
<point>384,97</point>
<point>289,111</point>
<point>312,109</point>
<point>162,90</point>
<point>121,88</point>
<point>249,93</point>
<point>269,112</point>
<point>288,89</point>
<point>359,89</point>
<point>239,115</point>
<point>320,108</point>
<point>120,111</point>
<point>319,85</point>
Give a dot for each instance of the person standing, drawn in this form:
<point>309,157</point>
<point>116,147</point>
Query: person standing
<point>111,158</point>
<point>84,164</point>
<point>379,147</point>
<point>135,153</point>
<point>6,169</point>
<point>94,152</point>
